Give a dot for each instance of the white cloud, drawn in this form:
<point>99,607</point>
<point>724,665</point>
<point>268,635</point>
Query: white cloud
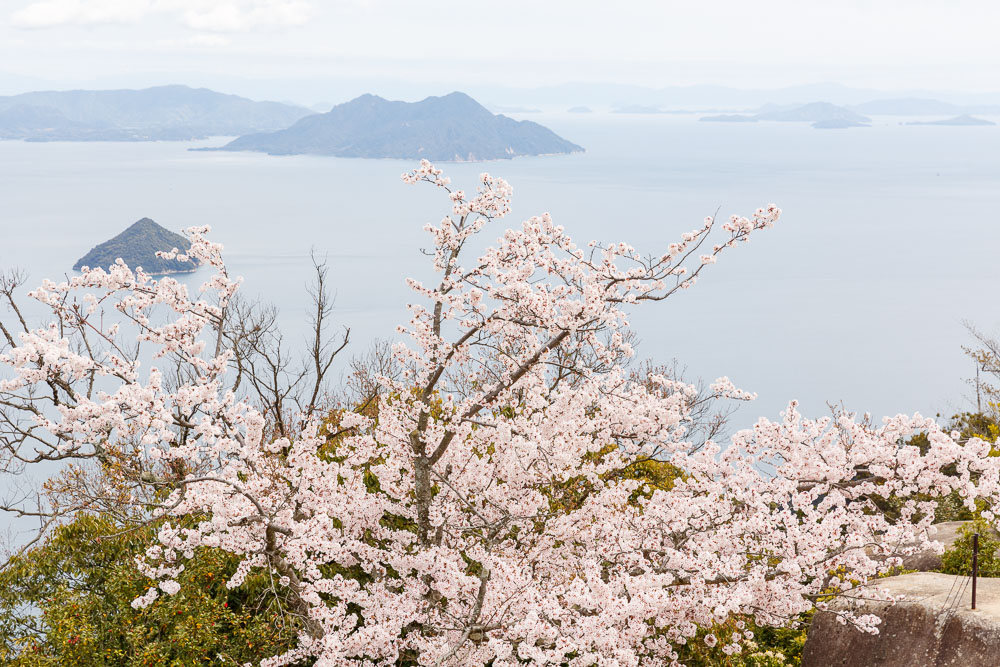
<point>50,13</point>
<point>203,15</point>
<point>240,16</point>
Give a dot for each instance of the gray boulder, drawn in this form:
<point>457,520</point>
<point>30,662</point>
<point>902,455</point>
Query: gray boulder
<point>924,630</point>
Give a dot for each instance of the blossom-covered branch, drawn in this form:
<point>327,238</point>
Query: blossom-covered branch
<point>514,493</point>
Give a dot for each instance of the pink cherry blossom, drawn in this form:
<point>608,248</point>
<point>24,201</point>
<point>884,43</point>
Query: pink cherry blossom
<point>484,509</point>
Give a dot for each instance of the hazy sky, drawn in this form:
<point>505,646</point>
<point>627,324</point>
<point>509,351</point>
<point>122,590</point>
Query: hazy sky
<point>888,44</point>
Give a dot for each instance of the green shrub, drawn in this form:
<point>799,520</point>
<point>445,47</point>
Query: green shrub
<point>958,559</point>
<point>67,602</point>
<point>770,646</point>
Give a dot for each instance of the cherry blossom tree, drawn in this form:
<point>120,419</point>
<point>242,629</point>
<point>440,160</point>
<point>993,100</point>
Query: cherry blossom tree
<point>492,501</point>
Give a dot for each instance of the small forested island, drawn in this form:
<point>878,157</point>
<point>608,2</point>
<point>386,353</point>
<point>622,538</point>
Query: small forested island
<point>162,113</point>
<point>580,110</point>
<point>963,120</point>
<point>450,128</point>
<point>137,247</point>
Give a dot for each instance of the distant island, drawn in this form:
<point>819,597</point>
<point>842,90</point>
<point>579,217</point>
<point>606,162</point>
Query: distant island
<point>580,110</point>
<point>137,247</point>
<point>815,112</point>
<point>963,119</point>
<point>450,128</point>
<point>163,113</point>
<point>822,115</point>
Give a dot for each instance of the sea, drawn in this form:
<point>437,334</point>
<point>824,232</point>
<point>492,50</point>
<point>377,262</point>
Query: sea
<point>888,244</point>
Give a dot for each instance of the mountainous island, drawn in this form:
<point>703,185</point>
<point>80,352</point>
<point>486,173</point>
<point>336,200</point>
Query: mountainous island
<point>963,119</point>
<point>822,115</point>
<point>450,128</point>
<point>162,113</point>
<point>138,246</point>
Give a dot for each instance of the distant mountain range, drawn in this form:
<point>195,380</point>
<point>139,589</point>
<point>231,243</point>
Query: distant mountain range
<point>722,99</point>
<point>162,113</point>
<point>453,127</point>
<point>709,98</point>
<point>449,127</point>
<point>334,86</point>
<point>813,113</point>
<point>911,106</point>
<point>822,115</point>
<point>600,96</point>
<point>137,247</point>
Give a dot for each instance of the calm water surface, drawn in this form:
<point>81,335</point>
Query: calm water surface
<point>889,238</point>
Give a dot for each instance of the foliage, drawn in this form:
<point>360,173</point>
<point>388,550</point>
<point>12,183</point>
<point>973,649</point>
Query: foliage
<point>982,425</point>
<point>68,602</point>
<point>958,558</point>
<point>760,646</point>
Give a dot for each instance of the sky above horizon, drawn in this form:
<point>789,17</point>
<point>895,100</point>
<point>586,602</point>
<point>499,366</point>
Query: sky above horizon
<point>883,44</point>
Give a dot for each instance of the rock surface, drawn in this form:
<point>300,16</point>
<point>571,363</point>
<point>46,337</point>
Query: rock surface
<point>946,533</point>
<point>920,631</point>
